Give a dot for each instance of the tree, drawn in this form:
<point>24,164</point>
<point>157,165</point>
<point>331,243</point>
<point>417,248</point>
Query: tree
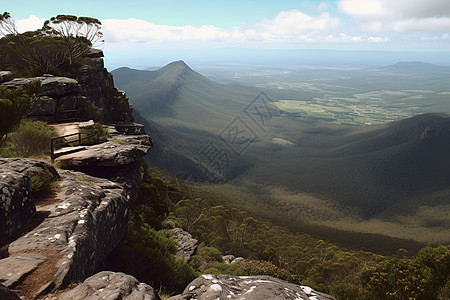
<point>79,33</point>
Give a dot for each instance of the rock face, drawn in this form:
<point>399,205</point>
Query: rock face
<point>16,199</point>
<point>186,244</point>
<point>80,230</point>
<point>248,288</point>
<point>111,286</point>
<point>97,85</point>
<point>65,98</point>
<point>86,221</point>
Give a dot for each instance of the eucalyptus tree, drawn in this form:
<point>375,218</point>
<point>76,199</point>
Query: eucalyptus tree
<point>79,33</point>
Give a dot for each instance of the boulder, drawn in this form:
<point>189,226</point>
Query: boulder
<point>231,259</point>
<point>16,202</point>
<point>111,286</point>
<point>187,245</point>
<point>16,199</point>
<point>5,76</point>
<point>248,288</point>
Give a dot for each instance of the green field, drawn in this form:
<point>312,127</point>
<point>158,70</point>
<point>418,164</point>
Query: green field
<point>372,107</point>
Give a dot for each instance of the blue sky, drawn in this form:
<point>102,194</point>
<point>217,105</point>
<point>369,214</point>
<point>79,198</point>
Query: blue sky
<point>388,25</point>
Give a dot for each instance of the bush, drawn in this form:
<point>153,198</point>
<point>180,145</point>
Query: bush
<point>33,138</point>
<point>101,134</point>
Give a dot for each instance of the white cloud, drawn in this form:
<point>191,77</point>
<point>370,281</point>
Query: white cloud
<point>292,25</point>
<point>30,24</point>
<point>399,15</point>
<point>323,6</point>
<point>377,39</point>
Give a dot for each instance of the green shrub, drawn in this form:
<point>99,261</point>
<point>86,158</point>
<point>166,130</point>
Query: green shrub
<point>260,267</point>
<point>101,134</point>
<point>42,183</point>
<point>32,138</point>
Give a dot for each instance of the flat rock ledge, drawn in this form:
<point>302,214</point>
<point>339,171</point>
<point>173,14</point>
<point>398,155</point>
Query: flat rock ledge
<point>108,154</point>
<point>111,286</point>
<point>81,228</point>
<point>248,288</point>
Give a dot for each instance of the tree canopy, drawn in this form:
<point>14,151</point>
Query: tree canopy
<point>79,33</point>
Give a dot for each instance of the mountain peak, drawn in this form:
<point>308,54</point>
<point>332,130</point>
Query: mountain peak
<point>175,69</point>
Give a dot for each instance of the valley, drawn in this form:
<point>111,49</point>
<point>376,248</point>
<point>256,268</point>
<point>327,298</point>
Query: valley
<point>354,151</point>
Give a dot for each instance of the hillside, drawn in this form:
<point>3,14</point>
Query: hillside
<point>393,172</point>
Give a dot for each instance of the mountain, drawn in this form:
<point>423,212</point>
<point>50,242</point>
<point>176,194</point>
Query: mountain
<point>415,67</point>
<point>300,169</point>
<point>177,96</point>
<point>371,168</point>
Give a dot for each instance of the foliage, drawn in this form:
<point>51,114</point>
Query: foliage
<point>42,183</point>
<point>100,134</point>
<point>89,111</point>
<point>147,247</point>
<point>422,277</point>
<point>79,34</point>
<point>14,105</point>
<point>48,50</point>
<point>32,138</point>
<point>267,249</point>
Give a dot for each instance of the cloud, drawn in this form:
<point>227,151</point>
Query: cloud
<point>399,15</point>
<point>30,24</point>
<point>292,25</point>
<point>323,6</point>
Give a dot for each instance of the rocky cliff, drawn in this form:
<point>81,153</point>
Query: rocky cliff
<point>46,243</point>
<point>75,228</point>
<point>89,93</point>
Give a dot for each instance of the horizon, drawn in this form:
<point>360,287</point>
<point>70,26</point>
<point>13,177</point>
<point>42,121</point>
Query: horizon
<point>161,32</point>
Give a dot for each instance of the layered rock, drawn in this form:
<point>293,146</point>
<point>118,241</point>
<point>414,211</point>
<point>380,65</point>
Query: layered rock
<point>64,98</point>
<point>111,286</point>
<point>60,98</point>
<point>17,203</point>
<point>86,220</point>
<point>97,85</point>
<point>247,287</point>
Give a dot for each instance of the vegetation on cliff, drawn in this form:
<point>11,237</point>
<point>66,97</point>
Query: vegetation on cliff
<point>57,48</point>
<point>268,249</point>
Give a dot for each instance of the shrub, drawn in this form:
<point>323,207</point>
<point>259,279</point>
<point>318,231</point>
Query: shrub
<point>33,138</point>
<point>100,134</point>
<point>260,267</point>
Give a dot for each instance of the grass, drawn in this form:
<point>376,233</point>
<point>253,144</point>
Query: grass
<point>85,181</point>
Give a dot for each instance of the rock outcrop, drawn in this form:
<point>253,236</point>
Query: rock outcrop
<point>187,245</point>
<point>87,218</point>
<point>248,288</point>
<point>64,98</point>
<point>111,286</point>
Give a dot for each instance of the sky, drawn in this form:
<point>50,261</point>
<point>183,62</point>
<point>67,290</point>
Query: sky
<point>133,28</point>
